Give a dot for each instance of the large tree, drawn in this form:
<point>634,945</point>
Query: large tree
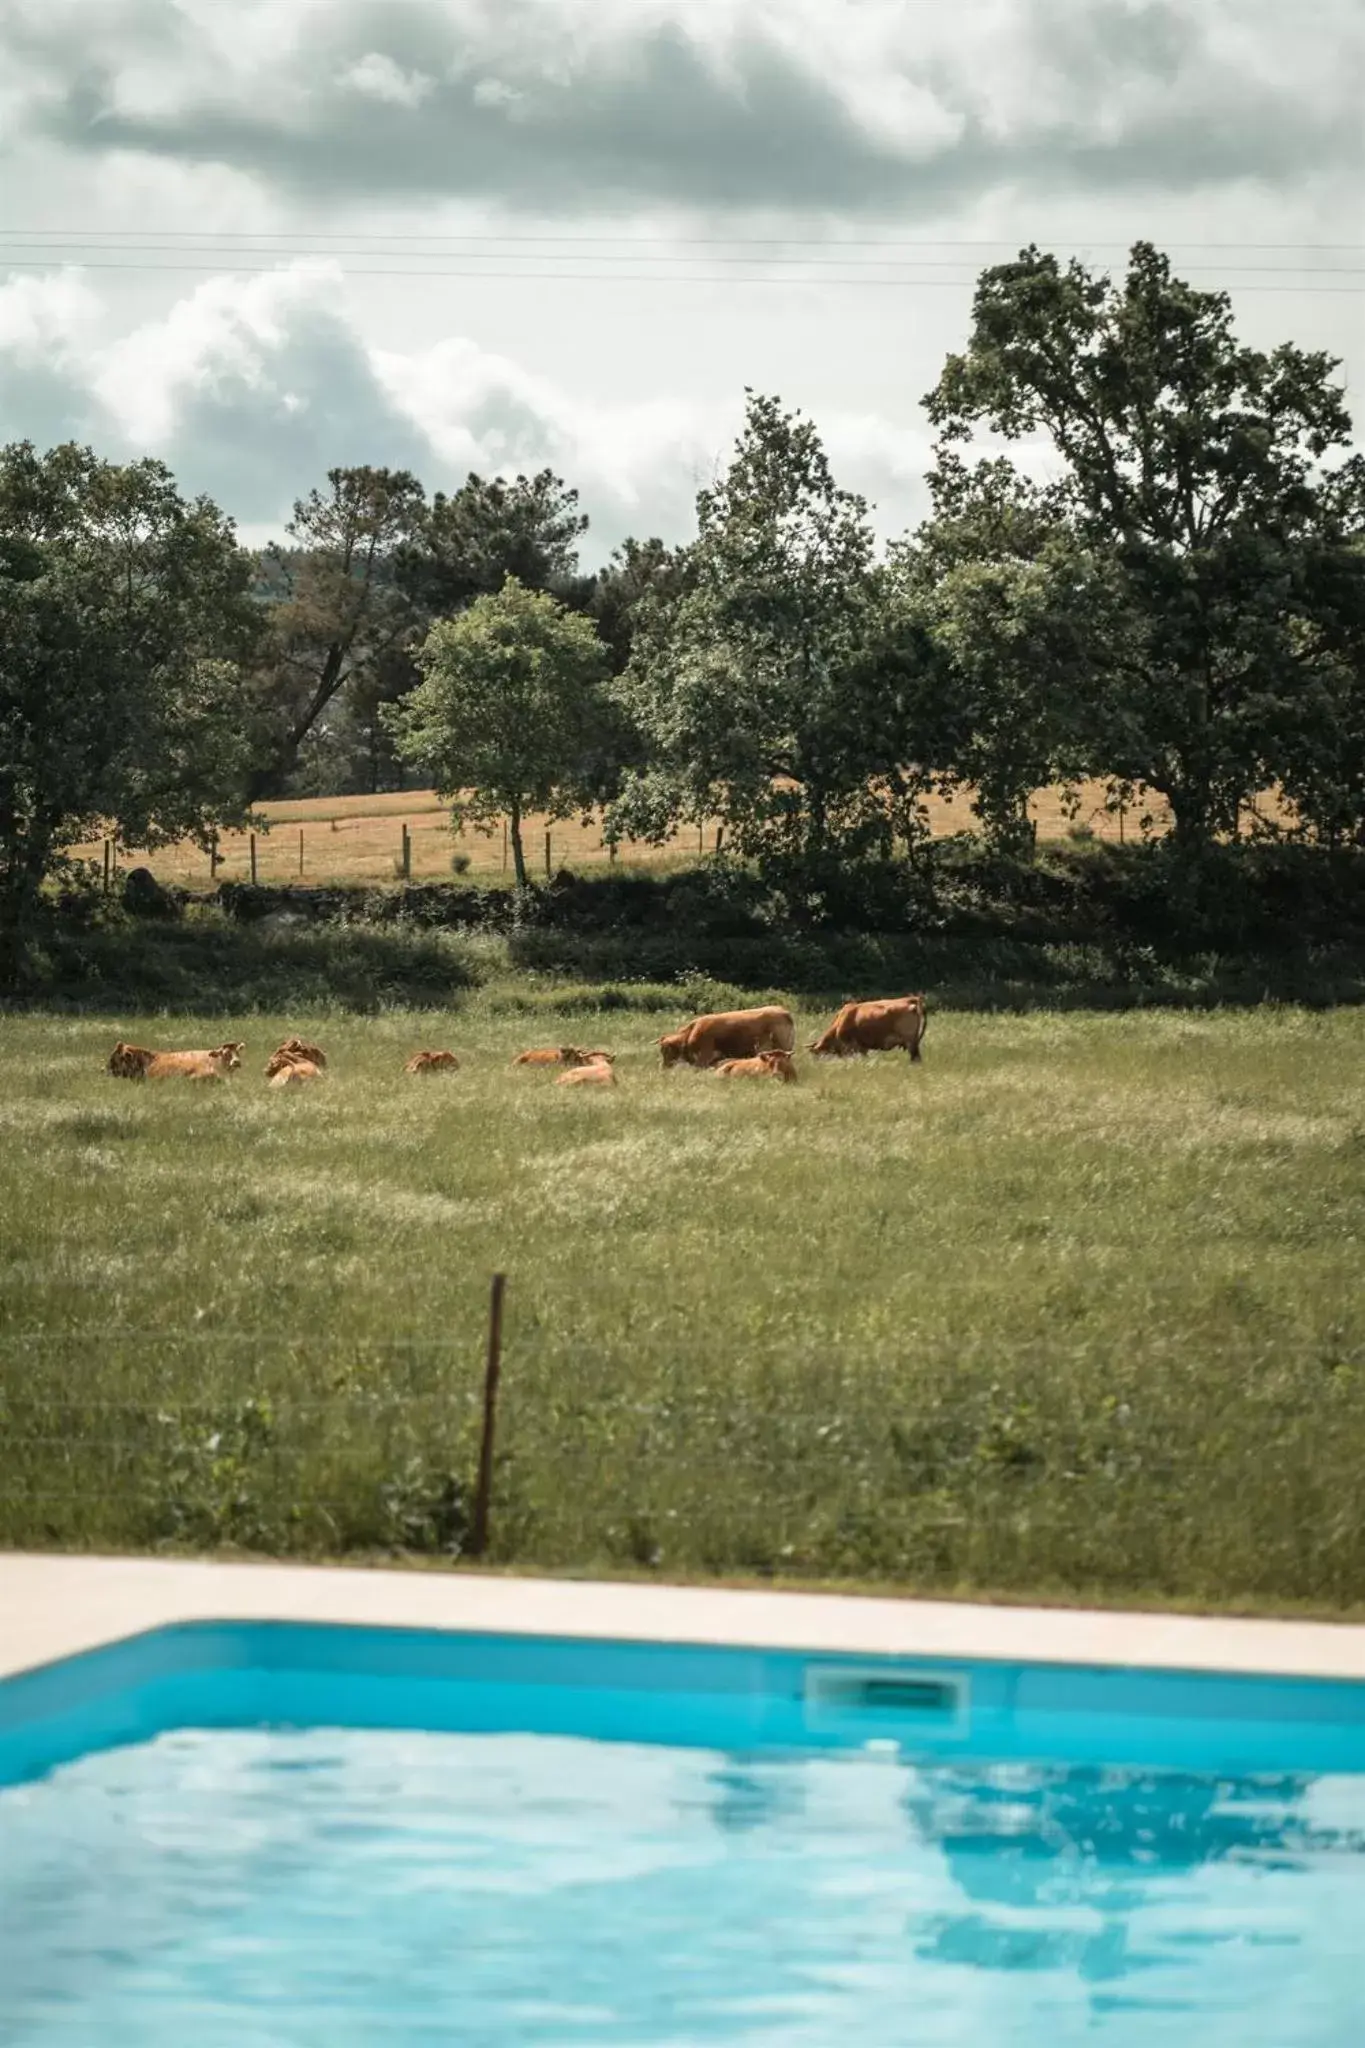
<point>1198,467</point>
<point>125,614</point>
<point>336,610</point>
<point>755,684</point>
<point>469,542</point>
<point>510,714</point>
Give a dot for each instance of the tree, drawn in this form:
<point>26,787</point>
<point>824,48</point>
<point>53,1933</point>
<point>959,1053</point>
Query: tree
<point>1196,467</point>
<point>337,611</point>
<point>1014,606</point>
<point>753,685</point>
<point>468,544</point>
<point>639,572</point>
<point>125,614</point>
<point>509,713</point>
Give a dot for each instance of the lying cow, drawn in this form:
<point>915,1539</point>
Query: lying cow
<point>560,1056</point>
<point>431,1063</point>
<point>595,1074</point>
<point>730,1035</point>
<point>764,1066</point>
<point>296,1074</point>
<point>894,1024</point>
<point>292,1051</point>
<point>138,1063</point>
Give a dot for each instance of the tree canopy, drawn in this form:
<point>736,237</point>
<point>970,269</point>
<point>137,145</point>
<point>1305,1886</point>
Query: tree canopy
<point>125,617</point>
<point>1193,473</point>
<point>509,715</point>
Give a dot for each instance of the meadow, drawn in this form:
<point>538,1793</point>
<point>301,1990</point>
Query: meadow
<point>1074,1310</point>
<point>359,839</point>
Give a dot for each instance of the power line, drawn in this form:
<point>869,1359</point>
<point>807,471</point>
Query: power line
<point>201,237</point>
<point>834,260</point>
<point>614,277</point>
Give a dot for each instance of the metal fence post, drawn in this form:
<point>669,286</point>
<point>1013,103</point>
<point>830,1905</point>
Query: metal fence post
<point>478,1541</point>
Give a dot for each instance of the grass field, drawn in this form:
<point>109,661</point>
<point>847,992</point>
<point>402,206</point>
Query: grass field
<point>359,839</point>
<point>1075,1309</point>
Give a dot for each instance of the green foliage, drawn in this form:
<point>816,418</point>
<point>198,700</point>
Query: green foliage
<point>124,615</point>
<point>510,715</point>
<point>757,685</point>
<point>469,543</point>
<point>1224,601</point>
<point>339,621</point>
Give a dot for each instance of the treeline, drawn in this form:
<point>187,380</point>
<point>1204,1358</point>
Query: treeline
<point>1144,562</point>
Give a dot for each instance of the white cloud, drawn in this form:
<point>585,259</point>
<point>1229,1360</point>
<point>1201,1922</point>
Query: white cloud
<point>250,389</point>
<point>379,78</point>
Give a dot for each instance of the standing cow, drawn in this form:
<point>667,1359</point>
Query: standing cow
<point>894,1024</point>
<point>730,1035</point>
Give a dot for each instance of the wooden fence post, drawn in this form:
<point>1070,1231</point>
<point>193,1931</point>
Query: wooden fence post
<point>253,860</point>
<point>213,855</point>
<point>478,1541</point>
<point>108,867</point>
<point>504,846</point>
<point>547,856</point>
<point>407,854</point>
<point>720,833</point>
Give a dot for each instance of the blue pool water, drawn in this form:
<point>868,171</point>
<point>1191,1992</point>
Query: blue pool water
<point>277,1836</point>
<point>328,1889</point>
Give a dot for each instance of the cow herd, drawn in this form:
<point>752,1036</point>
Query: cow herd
<point>736,1044</point>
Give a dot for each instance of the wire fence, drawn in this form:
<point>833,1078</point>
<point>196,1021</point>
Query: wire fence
<point>209,1438</point>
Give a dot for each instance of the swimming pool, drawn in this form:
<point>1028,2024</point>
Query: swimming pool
<point>280,1836</point>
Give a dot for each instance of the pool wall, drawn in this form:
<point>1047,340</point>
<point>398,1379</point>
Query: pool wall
<point>253,1673</point>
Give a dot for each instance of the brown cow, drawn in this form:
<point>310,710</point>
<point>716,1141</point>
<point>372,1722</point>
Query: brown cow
<point>730,1035</point>
<point>296,1074</point>
<point>893,1024</point>
<point>431,1063</point>
<point>197,1066</point>
<point>560,1056</point>
<point>596,1074</point>
<point>294,1049</point>
<point>774,1066</point>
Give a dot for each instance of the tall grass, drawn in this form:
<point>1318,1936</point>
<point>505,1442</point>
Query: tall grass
<point>1073,1309</point>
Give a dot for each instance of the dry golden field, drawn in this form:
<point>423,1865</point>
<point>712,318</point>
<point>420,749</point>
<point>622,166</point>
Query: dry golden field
<point>360,839</point>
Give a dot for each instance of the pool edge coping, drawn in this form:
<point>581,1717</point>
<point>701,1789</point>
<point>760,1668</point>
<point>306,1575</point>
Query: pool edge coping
<point>54,1606</point>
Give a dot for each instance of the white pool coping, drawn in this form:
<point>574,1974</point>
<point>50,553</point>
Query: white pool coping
<point>57,1606</point>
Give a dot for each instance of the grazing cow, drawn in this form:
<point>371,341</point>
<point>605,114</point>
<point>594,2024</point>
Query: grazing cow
<point>293,1049</point>
<point>297,1074</point>
<point>764,1066</point>
<point>431,1063</point>
<point>596,1074</point>
<point>730,1035</point>
<point>197,1066</point>
<point>891,1025</point>
<point>560,1056</point>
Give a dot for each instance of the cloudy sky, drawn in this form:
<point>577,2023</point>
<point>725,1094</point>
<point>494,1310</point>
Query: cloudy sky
<point>260,237</point>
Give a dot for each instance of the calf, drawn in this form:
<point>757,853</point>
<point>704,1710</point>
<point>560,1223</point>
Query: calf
<point>297,1074</point>
<point>559,1056</point>
<point>293,1049</point>
<point>765,1066</point>
<point>596,1074</point>
<point>197,1066</point>
<point>431,1063</point>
